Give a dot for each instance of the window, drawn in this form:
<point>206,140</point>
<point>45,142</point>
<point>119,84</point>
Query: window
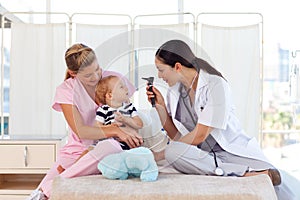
<point>6,75</point>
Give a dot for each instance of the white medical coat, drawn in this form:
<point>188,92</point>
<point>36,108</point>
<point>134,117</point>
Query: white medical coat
<point>214,108</point>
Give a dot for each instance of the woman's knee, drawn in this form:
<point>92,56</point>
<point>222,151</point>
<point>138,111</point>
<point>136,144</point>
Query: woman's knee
<point>108,146</point>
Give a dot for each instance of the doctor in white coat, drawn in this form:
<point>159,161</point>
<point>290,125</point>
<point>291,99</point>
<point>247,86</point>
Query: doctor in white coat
<point>198,116</point>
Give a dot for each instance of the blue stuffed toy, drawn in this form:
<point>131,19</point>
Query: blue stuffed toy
<point>136,162</point>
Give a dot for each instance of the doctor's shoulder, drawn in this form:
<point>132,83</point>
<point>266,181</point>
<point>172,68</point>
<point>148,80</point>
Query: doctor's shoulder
<point>218,85</point>
<point>216,80</point>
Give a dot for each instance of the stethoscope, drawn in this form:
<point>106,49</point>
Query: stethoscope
<point>218,171</point>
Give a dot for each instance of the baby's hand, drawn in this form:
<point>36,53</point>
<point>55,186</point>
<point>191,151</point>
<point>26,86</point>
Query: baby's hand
<point>119,117</point>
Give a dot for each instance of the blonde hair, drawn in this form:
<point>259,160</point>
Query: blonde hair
<point>103,87</point>
<point>77,57</point>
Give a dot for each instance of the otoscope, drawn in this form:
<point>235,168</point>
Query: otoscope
<point>150,84</point>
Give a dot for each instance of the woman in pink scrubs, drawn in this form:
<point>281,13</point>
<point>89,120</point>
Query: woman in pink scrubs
<point>75,97</point>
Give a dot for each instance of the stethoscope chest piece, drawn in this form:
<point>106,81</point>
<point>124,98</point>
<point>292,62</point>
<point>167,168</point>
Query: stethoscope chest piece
<point>219,171</point>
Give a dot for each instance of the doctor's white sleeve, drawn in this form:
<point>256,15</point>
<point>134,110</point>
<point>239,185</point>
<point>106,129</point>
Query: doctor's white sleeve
<point>214,104</point>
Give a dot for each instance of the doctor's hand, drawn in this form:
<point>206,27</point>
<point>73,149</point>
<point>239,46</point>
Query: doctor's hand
<point>159,100</point>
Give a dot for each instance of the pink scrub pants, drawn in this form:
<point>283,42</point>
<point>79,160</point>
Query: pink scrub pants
<point>87,165</point>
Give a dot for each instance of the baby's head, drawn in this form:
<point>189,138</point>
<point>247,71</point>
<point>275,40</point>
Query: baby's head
<point>111,90</point>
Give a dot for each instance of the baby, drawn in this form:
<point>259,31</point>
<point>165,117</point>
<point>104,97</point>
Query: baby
<point>115,108</point>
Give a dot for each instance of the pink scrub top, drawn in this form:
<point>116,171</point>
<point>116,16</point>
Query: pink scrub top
<point>71,91</point>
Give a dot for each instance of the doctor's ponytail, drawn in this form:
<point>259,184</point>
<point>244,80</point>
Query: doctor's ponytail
<point>199,63</point>
<point>174,51</point>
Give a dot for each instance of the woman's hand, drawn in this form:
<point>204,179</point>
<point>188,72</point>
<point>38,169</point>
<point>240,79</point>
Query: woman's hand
<point>159,100</point>
<point>130,136</point>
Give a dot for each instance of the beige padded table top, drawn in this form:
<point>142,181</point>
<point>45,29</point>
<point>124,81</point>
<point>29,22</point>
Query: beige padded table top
<point>168,186</point>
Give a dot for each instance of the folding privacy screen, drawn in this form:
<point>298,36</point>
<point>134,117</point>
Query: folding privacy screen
<point>236,52</point>
<point>37,66</point>
<point>111,42</point>
<point>149,34</point>
<point>127,46</point>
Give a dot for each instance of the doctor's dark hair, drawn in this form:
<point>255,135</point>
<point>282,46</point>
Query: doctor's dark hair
<point>174,51</point>
<point>77,57</point>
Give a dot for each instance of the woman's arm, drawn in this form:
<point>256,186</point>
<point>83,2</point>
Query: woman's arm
<point>165,119</point>
<point>214,114</point>
<point>167,123</point>
<point>74,120</point>
<point>198,135</point>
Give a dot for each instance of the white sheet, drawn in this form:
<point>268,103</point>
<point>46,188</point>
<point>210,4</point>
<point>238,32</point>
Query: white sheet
<point>112,44</point>
<point>235,51</point>
<point>147,39</point>
<point>37,67</point>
